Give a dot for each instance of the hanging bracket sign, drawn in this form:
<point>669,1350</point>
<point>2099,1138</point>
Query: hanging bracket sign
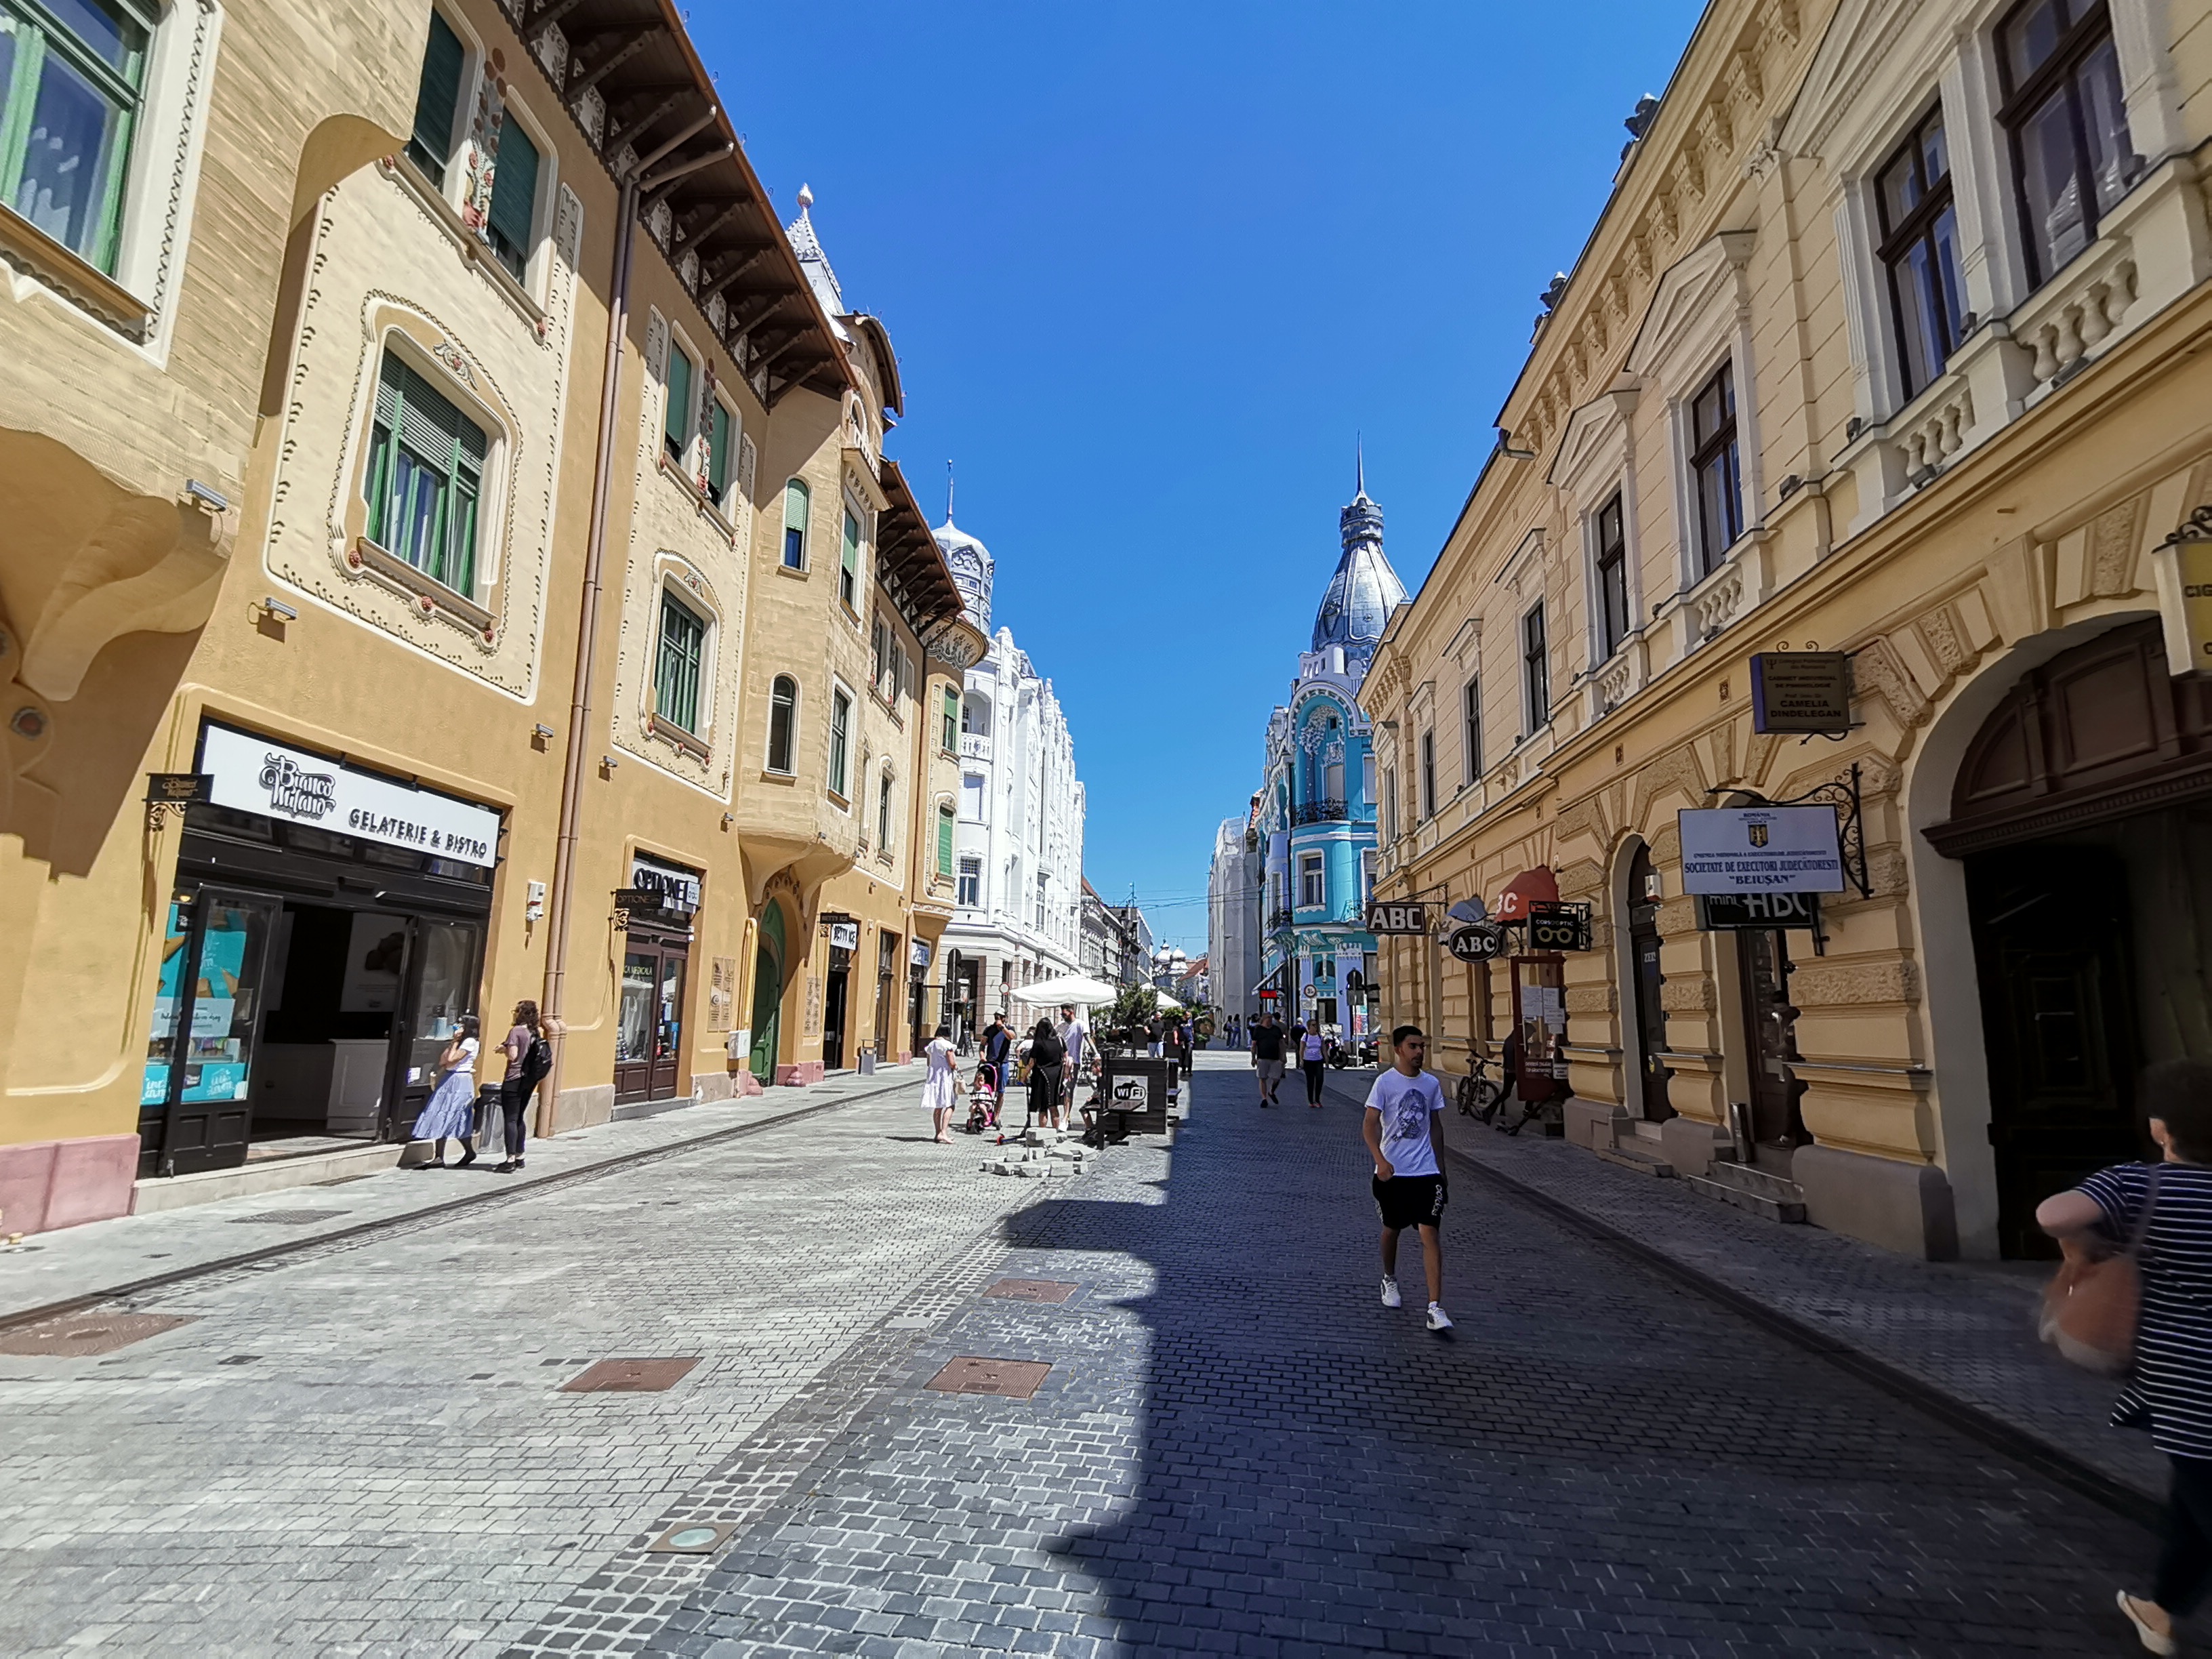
<point>1400,917</point>
<point>1477,941</point>
<point>1729,912</point>
<point>1761,849</point>
<point>1554,925</point>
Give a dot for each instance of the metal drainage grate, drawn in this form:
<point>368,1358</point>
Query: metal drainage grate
<point>629,1377</point>
<point>287,1217</point>
<point>72,1334</point>
<point>1011,1379</point>
<point>693,1538</point>
<point>1031,1289</point>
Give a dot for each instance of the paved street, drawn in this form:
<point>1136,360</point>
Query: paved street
<point>362,1450</point>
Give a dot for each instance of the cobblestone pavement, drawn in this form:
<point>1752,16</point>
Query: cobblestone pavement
<point>1237,1450</point>
<point>362,1448</point>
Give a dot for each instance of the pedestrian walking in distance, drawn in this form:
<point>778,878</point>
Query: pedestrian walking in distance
<point>2170,1393</point>
<point>1404,1111</point>
<point>450,1113</point>
<point>1267,1057</point>
<point>529,1058</point>
<point>940,1086</point>
<point>1313,1060</point>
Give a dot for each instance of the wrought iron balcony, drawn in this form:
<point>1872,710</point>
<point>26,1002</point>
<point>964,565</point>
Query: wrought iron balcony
<point>1318,811</point>
<point>1277,919</point>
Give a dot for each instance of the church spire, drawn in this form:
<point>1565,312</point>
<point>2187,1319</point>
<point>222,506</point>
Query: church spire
<point>1359,466</point>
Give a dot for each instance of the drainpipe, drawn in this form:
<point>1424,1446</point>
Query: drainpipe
<point>587,640</point>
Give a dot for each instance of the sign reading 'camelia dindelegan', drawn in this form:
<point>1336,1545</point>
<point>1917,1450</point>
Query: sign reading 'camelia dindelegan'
<point>257,774</point>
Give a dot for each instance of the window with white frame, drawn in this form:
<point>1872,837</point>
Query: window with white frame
<point>1470,729</point>
<point>1919,250</point>
<point>1367,878</point>
<point>1609,552</point>
<point>1040,901</point>
<point>2067,119</point>
<point>782,723</point>
<point>797,503</point>
<point>841,739</point>
<point>1535,672</point>
<point>971,797</point>
<point>970,893</point>
<point>438,102</point>
<point>1715,475</point>
<point>1390,804</point>
<point>72,87</point>
<point>1367,778</point>
<point>883,794</point>
<point>1428,775</point>
<point>848,562</point>
<point>511,221</point>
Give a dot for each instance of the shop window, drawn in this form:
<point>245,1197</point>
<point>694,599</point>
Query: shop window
<point>1714,470</point>
<point>1535,673</point>
<point>676,663</point>
<point>970,893</point>
<point>426,466</point>
<point>1920,251</point>
<point>797,503</point>
<point>721,430</point>
<point>1612,558</point>
<point>945,840</point>
<point>677,412</point>
<point>437,101</point>
<point>840,734</point>
<point>782,723</point>
<point>512,223</point>
<point>2073,158</point>
<point>848,562</point>
<point>71,85</point>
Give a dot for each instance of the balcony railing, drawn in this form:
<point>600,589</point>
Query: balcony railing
<point>974,746</point>
<point>1318,811</point>
<point>1277,919</point>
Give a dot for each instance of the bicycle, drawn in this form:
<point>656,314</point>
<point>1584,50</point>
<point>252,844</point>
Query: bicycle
<point>1479,1096</point>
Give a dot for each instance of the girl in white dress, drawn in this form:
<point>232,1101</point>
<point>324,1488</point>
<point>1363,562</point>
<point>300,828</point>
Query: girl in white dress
<point>451,1110</point>
<point>940,1089</point>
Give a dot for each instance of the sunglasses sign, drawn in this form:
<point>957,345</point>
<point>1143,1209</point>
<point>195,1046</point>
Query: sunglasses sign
<point>1761,849</point>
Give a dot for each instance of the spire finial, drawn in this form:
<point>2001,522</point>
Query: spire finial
<point>1359,464</point>
<point>805,197</point>
<point>948,492</point>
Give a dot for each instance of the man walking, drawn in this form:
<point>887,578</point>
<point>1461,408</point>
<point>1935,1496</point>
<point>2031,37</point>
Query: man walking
<point>1403,1110</point>
<point>1075,1037</point>
<point>1267,1057</point>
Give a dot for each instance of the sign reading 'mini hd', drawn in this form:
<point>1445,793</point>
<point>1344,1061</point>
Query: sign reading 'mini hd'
<point>1761,849</point>
<point>257,774</point>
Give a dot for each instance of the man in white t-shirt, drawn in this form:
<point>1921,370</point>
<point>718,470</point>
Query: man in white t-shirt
<point>1077,1036</point>
<point>1401,1129</point>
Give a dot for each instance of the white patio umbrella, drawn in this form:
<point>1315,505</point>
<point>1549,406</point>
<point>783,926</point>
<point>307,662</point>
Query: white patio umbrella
<point>1167,1001</point>
<point>1069,987</point>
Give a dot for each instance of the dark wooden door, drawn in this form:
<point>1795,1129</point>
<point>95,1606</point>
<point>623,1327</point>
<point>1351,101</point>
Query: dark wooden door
<point>833,1019</point>
<point>196,1110</point>
<point>2050,949</point>
<point>1771,1024</point>
<point>649,1035</point>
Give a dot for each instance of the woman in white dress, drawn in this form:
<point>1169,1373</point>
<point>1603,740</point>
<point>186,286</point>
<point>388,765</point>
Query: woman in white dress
<point>451,1110</point>
<point>940,1089</point>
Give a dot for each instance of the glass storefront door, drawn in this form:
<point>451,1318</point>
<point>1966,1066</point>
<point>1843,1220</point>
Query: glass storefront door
<point>195,1106</point>
<point>441,987</point>
<point>648,1033</point>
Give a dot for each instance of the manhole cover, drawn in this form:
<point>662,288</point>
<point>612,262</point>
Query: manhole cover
<point>72,1334</point>
<point>693,1538</point>
<point>629,1377</point>
<point>1031,1289</point>
<point>287,1217</point>
<point>1012,1379</point>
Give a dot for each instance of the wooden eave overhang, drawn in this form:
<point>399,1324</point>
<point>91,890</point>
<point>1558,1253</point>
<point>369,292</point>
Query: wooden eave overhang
<point>665,124</point>
<point>911,564</point>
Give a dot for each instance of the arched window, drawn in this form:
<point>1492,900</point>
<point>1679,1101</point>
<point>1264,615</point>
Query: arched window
<point>884,812</point>
<point>782,722</point>
<point>797,503</point>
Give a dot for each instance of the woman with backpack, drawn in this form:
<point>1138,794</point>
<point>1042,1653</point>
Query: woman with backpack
<point>529,1058</point>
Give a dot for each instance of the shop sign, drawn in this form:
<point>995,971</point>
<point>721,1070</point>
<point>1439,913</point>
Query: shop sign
<point>1723,911</point>
<point>672,886</point>
<point>1556,926</point>
<point>254,774</point>
<point>1761,849</point>
<point>918,956</point>
<point>1478,941</point>
<point>1807,692</point>
<point>176,788</point>
<point>845,935</point>
<point>1397,918</point>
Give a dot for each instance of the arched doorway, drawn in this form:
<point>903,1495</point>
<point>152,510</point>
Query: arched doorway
<point>1646,982</point>
<point>2081,812</point>
<point>767,993</point>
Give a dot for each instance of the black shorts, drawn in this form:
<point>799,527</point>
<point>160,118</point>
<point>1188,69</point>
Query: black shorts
<point>1410,1200</point>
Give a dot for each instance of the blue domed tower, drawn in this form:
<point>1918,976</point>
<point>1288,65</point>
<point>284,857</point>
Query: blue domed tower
<point>1365,590</point>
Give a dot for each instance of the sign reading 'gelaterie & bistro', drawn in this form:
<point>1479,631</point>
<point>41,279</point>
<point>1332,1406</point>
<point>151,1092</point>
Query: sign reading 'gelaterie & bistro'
<point>258,774</point>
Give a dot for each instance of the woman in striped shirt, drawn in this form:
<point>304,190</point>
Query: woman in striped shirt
<point>2170,1393</point>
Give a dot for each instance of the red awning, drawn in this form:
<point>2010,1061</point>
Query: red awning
<point>1536,886</point>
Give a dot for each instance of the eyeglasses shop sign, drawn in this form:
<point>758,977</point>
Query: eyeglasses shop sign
<point>1761,849</point>
<point>253,774</point>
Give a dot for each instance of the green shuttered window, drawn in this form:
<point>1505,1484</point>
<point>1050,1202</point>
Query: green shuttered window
<point>437,98</point>
<point>848,565</point>
<point>513,199</point>
<point>675,666</point>
<point>797,501</point>
<point>676,418</point>
<point>944,840</point>
<point>426,464</point>
<point>719,447</point>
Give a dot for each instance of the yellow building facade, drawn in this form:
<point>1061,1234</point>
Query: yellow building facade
<point>414,520</point>
<point>1889,342</point>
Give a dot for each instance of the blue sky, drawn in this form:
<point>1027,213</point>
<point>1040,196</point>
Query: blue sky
<point>1149,268</point>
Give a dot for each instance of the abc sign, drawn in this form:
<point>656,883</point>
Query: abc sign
<point>1475,942</point>
<point>1387,918</point>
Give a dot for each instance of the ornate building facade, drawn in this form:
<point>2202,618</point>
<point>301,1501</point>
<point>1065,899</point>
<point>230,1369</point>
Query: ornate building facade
<point>1888,342</point>
<point>1234,884</point>
<point>1019,840</point>
<point>1317,813</point>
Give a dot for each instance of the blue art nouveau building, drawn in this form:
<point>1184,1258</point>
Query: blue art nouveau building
<point>1317,821</point>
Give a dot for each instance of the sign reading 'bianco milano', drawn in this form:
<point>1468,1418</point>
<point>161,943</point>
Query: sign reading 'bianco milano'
<point>257,774</point>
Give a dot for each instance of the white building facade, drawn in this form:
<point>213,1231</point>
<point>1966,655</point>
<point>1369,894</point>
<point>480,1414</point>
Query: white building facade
<point>1233,891</point>
<point>1018,842</point>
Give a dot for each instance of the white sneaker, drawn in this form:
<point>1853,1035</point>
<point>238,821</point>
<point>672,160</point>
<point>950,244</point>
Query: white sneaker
<point>1438,1319</point>
<point>1390,1297</point>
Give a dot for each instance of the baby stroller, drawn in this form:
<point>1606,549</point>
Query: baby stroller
<point>983,1101</point>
